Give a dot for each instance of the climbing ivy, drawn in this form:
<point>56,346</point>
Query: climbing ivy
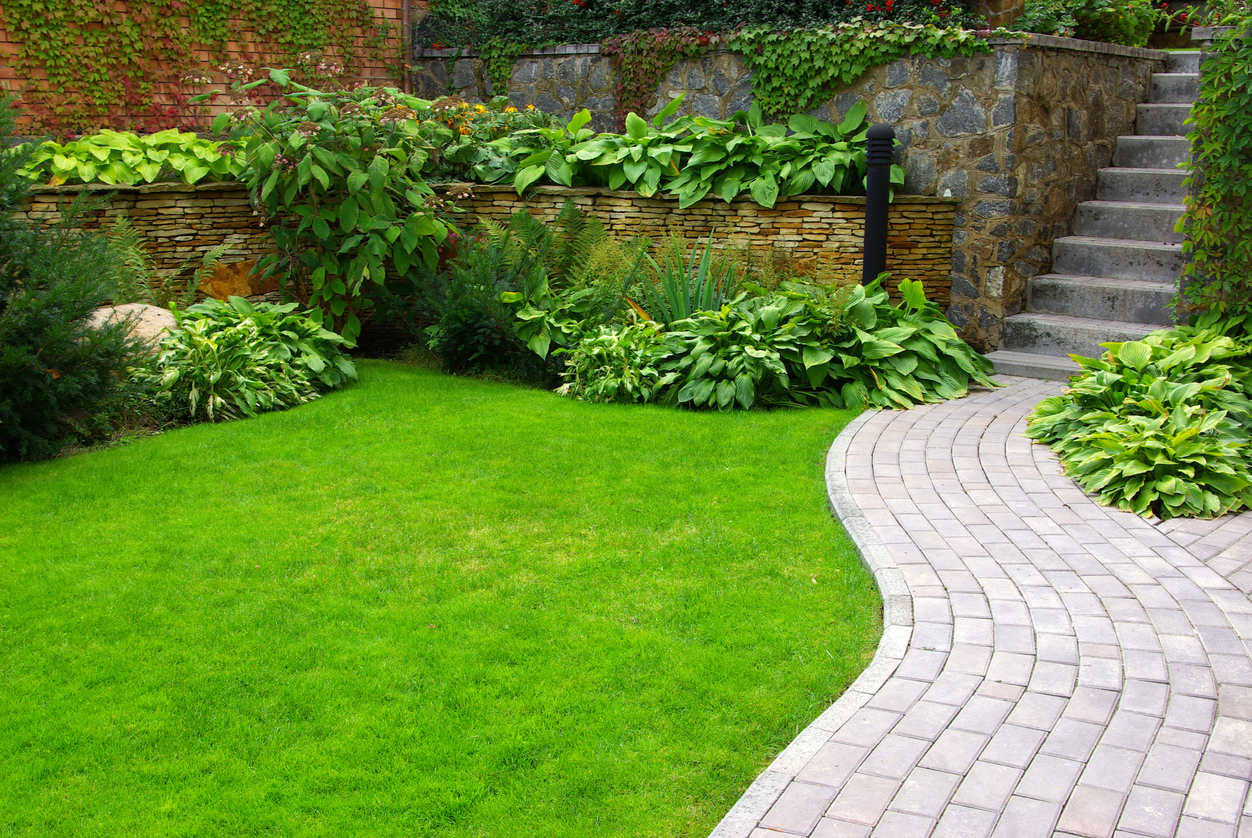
<point>91,64</point>
<point>499,56</point>
<point>641,59</point>
<point>1218,219</point>
<point>799,69</point>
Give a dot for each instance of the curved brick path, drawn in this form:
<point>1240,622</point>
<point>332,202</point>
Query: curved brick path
<point>1048,666</point>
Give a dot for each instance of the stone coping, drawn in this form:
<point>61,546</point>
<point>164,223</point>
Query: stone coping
<point>477,188</point>
<point>1034,40</point>
<point>1079,45</point>
<point>166,186</point>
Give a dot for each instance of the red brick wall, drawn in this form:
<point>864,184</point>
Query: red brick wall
<point>382,70</point>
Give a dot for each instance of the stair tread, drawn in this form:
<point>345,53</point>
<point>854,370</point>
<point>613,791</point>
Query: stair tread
<point>1137,205</point>
<point>1132,170</point>
<point>1175,105</point>
<point>1122,282</point>
<point>1105,242</point>
<point>1086,322</point>
<point>1033,364</point>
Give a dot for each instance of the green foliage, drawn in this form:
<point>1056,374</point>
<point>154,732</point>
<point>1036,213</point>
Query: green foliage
<point>137,279</point>
<point>803,345</point>
<point>127,159</point>
<point>539,23</point>
<point>701,282</point>
<point>1218,220</point>
<point>798,70</point>
<point>1128,22</point>
<point>693,156</point>
<point>499,55</point>
<point>347,167</point>
<point>60,379</point>
<point>642,58</point>
<point>229,360</point>
<point>617,365</point>
<point>1159,426</point>
<point>92,64</point>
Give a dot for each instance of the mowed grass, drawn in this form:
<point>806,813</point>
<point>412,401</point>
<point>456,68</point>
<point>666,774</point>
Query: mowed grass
<point>421,606</point>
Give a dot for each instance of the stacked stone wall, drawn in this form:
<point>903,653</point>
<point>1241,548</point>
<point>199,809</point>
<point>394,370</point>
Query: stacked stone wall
<point>1016,135</point>
<point>820,234</point>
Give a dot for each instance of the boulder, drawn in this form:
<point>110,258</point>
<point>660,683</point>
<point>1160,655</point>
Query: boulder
<point>150,323</point>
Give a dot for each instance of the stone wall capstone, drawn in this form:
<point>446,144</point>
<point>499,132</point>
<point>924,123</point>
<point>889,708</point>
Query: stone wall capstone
<point>1017,135</point>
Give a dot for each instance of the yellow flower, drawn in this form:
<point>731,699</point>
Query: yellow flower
<point>465,130</point>
<point>480,108</point>
<point>530,107</point>
<point>510,110</point>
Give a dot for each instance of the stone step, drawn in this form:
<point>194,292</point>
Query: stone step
<point>1175,88</point>
<point>1119,258</point>
<point>1031,365</point>
<point>1148,186</point>
<point>1128,220</point>
<point>1101,298</point>
<point>1152,152</point>
<point>1162,119</point>
<point>1184,61</point>
<point>1057,334</point>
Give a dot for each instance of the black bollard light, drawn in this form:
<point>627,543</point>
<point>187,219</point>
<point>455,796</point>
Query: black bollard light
<point>879,142</point>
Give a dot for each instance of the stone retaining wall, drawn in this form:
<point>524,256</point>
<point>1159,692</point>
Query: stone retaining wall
<point>822,233</point>
<point>1017,135</point>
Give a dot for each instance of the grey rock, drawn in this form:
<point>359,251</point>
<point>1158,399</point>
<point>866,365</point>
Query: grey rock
<point>1006,69</point>
<point>956,314</point>
<point>932,76</point>
<point>890,105</point>
<point>956,181</point>
<point>996,185</point>
<point>844,102</point>
<point>566,93</point>
<point>993,209</point>
<point>958,262</point>
<point>963,117</point>
<point>1005,112</point>
<point>920,173</point>
<point>463,74</point>
<point>547,69</point>
<point>704,104</point>
<point>525,72</point>
<point>567,71</point>
<point>599,75</point>
<point>989,164</point>
<point>1025,268</point>
<point>546,103</point>
<point>897,73</point>
<point>720,82</point>
<point>1004,251</point>
<point>927,105</point>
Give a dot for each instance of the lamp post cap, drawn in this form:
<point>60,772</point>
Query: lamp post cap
<point>880,131</point>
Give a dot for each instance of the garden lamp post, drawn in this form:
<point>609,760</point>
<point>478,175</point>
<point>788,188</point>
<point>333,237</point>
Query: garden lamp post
<point>879,141</point>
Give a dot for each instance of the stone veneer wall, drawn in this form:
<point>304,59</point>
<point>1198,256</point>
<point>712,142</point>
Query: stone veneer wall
<point>821,232</point>
<point>1017,135</point>
<point>178,222</point>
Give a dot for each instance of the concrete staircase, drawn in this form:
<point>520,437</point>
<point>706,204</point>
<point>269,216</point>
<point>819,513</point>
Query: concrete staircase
<point>1113,279</point>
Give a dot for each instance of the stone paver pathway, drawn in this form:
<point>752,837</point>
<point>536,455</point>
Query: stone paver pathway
<point>1048,666</point>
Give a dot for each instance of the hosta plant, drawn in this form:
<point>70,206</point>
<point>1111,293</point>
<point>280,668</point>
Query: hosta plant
<point>622,365</point>
<point>118,158</point>
<point>1158,426</point>
<point>228,360</point>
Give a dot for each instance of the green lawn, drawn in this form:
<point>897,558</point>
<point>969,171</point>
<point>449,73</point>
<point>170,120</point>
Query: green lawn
<point>421,606</point>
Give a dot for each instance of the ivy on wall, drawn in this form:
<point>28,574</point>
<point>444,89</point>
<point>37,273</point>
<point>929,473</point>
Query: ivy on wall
<point>1218,220</point>
<point>640,60</point>
<point>91,64</point>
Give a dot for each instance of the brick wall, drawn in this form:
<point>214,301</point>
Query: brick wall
<point>383,69</point>
<point>821,232</point>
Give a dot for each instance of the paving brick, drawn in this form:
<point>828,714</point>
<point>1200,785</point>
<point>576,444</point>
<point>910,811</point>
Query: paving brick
<point>1024,817</point>
<point>1151,812</point>
<point>955,751</point>
<point>863,799</point>
<point>894,756</point>
<point>799,808</point>
<point>833,764</point>
<point>1216,798</point>
<point>1050,778</point>
<point>987,786</point>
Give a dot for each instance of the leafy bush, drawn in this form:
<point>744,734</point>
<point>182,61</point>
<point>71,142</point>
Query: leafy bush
<point>60,379</point>
<point>1128,22</point>
<point>1159,426</point>
<point>1218,220</point>
<point>692,157</point>
<point>617,365</point>
<point>128,159</point>
<point>235,359</point>
<point>802,345</point>
<point>347,167</point>
<point>701,282</point>
<point>539,23</point>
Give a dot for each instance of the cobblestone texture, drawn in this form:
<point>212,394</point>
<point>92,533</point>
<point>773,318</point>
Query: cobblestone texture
<point>1048,666</point>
